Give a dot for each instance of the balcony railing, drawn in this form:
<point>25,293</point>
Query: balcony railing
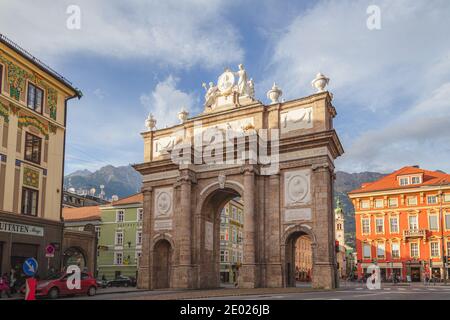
<point>415,233</point>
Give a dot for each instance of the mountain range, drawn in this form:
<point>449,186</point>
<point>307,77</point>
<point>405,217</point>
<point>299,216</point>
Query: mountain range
<point>124,181</point>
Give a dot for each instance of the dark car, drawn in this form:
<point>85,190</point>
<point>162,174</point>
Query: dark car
<point>122,281</point>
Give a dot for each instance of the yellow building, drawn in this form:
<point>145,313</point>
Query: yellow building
<point>33,101</point>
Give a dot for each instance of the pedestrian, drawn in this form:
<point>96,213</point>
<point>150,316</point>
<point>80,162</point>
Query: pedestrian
<point>4,285</point>
<point>12,281</point>
<point>30,291</point>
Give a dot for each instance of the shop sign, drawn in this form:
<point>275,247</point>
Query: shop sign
<point>21,229</point>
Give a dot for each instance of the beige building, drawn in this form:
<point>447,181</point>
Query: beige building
<point>303,259</point>
<point>33,102</point>
<point>231,240</point>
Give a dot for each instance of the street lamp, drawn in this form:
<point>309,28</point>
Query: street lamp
<point>441,215</point>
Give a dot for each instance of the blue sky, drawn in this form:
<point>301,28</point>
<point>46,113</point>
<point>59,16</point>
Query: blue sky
<point>391,86</point>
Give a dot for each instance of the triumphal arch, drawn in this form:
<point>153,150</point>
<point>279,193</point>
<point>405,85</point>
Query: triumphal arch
<point>277,157</point>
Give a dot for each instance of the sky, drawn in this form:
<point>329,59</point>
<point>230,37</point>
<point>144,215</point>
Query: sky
<point>391,85</point>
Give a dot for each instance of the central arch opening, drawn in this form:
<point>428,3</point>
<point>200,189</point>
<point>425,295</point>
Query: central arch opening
<point>222,248</point>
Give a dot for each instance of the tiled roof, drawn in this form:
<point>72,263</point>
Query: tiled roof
<point>390,182</point>
<point>81,213</point>
<point>135,198</point>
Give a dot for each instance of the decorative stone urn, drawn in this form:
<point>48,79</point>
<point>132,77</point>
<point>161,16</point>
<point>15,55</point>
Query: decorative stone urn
<point>320,82</point>
<point>183,115</point>
<point>150,122</point>
<point>274,94</point>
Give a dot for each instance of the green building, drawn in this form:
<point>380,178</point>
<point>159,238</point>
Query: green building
<point>231,240</point>
<point>120,238</point>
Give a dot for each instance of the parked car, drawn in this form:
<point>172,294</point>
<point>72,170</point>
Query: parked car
<point>102,283</point>
<point>122,281</point>
<point>56,286</point>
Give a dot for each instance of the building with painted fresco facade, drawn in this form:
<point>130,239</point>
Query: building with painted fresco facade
<point>231,231</point>
<point>33,102</point>
<point>120,241</point>
<point>403,223</point>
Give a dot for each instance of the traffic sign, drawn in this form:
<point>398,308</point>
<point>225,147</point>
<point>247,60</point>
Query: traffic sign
<point>50,251</point>
<point>30,267</point>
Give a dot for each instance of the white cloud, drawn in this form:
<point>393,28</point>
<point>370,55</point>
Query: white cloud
<point>176,33</point>
<point>379,78</point>
<point>420,136</point>
<point>165,101</point>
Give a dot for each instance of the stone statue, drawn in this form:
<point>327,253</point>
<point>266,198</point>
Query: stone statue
<point>210,94</point>
<point>251,88</point>
<point>242,85</point>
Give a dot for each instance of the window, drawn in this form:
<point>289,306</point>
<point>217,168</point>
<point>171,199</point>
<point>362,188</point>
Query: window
<point>404,181</point>
<point>118,258</point>
<point>394,224</point>
<point>415,180</point>
<point>414,250</point>
<point>137,257</point>
<point>380,250</point>
<point>120,215</point>
<point>412,201</point>
<point>413,223</point>
<point>35,98</point>
<point>365,204</point>
<point>226,235</point>
<point>448,248</point>
<point>431,199</point>
<point>140,214</point>
<point>447,197</point>
<point>393,202</point>
<point>366,251</point>
<point>379,225</point>
<point>139,238</point>
<point>1,78</point>
<point>225,256</point>
<point>433,222</point>
<point>395,247</point>
<point>234,256</point>
<point>222,256</point>
<point>366,225</point>
<point>97,231</point>
<point>29,201</point>
<point>447,221</point>
<point>32,148</point>
<point>434,249</point>
<point>222,235</point>
<point>379,203</point>
<point>119,238</point>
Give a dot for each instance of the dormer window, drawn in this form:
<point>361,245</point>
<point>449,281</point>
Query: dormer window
<point>404,181</point>
<point>415,180</point>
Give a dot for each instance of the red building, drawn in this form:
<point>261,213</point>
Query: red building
<point>403,224</point>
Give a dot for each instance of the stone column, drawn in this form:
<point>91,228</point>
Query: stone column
<point>183,271</point>
<point>274,274</point>
<point>145,262</point>
<point>248,272</point>
<point>324,257</point>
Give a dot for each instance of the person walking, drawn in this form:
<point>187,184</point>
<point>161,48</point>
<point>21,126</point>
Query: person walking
<point>4,286</point>
<point>30,291</point>
<point>12,281</point>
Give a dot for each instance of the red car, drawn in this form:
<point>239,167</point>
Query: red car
<point>57,286</point>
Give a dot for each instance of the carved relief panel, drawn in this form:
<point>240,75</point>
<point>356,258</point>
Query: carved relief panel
<point>163,208</point>
<point>296,119</point>
<point>297,195</point>
<point>297,187</point>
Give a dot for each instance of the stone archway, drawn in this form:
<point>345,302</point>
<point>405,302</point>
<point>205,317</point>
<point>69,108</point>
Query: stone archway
<point>290,238</point>
<point>212,201</point>
<point>182,199</point>
<point>162,262</point>
<point>75,256</point>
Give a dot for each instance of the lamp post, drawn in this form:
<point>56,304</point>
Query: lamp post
<point>441,215</point>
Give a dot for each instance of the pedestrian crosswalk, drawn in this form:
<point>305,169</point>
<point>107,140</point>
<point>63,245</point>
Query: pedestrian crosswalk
<point>407,289</point>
